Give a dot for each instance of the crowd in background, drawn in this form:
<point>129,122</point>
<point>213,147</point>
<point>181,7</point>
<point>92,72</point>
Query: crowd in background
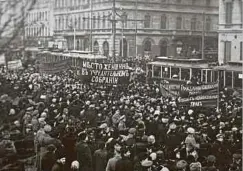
<point>87,127</point>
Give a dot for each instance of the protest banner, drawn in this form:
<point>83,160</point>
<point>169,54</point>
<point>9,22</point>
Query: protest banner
<point>15,65</point>
<point>200,95</point>
<point>169,88</point>
<point>2,59</point>
<point>55,67</point>
<point>105,73</point>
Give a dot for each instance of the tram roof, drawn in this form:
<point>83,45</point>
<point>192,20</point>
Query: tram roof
<point>180,64</point>
<point>183,60</point>
<point>78,54</point>
<point>236,68</point>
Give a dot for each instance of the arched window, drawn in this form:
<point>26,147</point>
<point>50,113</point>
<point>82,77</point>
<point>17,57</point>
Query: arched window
<point>94,22</point>
<point>98,21</point>
<point>79,22</point>
<point>163,48</point>
<point>103,21</point>
<point>124,18</point>
<point>193,23</point>
<point>88,22</point>
<point>106,49</point>
<point>59,24</point>
<point>66,22</point>
<point>96,47</point>
<point>147,21</point>
<point>147,45</point>
<point>84,23</point>
<point>123,51</point>
<point>178,23</point>
<point>63,23</point>
<point>163,22</point>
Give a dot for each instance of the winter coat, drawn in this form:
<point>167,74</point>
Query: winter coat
<point>84,156</point>
<point>100,160</point>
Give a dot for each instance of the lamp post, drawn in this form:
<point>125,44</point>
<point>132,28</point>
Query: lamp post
<point>123,20</point>
<point>203,34</point>
<point>91,26</point>
<point>136,27</point>
<point>74,38</point>
<point>114,29</point>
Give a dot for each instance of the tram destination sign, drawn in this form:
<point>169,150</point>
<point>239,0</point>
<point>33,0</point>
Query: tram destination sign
<point>105,73</point>
<point>201,95</point>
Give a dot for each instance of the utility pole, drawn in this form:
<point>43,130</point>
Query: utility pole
<point>23,25</point>
<point>123,20</point>
<point>91,26</point>
<point>203,35</point>
<point>114,29</point>
<point>74,37</point>
<point>136,28</point>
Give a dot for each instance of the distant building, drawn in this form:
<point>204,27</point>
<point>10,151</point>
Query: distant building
<point>39,24</point>
<point>165,27</point>
<point>230,31</point>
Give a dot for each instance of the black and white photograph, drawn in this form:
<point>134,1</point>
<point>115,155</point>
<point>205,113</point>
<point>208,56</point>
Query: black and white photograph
<point>121,85</point>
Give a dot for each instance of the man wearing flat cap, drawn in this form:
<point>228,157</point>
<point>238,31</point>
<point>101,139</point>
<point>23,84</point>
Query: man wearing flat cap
<point>210,163</point>
<point>84,156</point>
<point>173,140</point>
<point>181,165</point>
<point>236,162</point>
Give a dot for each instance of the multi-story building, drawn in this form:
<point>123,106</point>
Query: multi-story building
<point>230,31</point>
<point>39,24</point>
<point>154,27</point>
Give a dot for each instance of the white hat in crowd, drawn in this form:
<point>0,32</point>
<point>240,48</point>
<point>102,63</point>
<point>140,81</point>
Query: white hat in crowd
<point>191,130</point>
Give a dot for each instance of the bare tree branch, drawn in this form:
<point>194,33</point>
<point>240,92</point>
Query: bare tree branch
<point>18,10</point>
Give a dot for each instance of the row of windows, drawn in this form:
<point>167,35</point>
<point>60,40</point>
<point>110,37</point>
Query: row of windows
<point>81,22</point>
<point>66,3</point>
<point>37,16</point>
<point>37,31</point>
<point>193,2</point>
<point>229,8</point>
<point>64,22</point>
<point>227,51</point>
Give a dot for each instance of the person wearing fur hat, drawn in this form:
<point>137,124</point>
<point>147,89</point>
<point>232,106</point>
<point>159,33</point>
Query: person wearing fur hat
<point>125,163</point>
<point>100,157</point>
<point>60,162</point>
<point>236,164</point>
<point>69,141</point>
<point>122,128</point>
<point>111,164</point>
<point>84,156</point>
<point>173,140</point>
<point>49,158</point>
<point>191,144</point>
<point>210,163</point>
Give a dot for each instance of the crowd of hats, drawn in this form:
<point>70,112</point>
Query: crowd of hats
<point>48,101</point>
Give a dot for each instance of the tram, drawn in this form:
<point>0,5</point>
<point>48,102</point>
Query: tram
<point>76,57</point>
<point>183,70</point>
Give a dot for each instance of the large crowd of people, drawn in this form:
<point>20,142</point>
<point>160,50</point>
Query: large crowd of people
<point>85,127</point>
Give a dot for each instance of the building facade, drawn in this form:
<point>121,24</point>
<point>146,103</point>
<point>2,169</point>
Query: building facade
<point>230,31</point>
<point>143,28</point>
<point>39,24</point>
